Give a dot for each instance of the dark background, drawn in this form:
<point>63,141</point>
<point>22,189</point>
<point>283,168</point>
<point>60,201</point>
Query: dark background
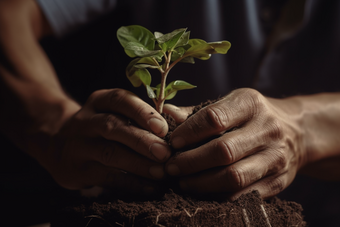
<point>92,59</point>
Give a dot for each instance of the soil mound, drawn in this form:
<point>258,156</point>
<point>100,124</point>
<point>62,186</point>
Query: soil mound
<point>174,210</point>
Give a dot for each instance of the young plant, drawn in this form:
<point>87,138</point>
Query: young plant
<point>163,52</point>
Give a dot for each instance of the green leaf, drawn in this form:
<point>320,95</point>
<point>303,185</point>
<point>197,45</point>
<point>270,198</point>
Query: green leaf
<point>159,56</point>
<point>144,76</point>
<point>137,34</point>
<point>147,60</point>
<point>189,59</point>
<point>203,50</point>
<point>158,34</point>
<point>183,40</point>
<point>181,85</point>
<point>177,53</point>
<point>150,92</point>
<point>133,49</point>
<point>136,76</point>
<point>169,36</point>
<point>174,86</point>
<point>169,41</point>
<point>198,49</point>
<point>221,47</point>
<point>143,66</point>
<point>171,95</point>
<point>140,76</point>
<point>157,89</point>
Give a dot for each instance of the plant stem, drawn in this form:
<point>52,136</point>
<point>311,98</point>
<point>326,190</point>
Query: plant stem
<point>156,63</point>
<point>161,98</point>
<point>175,62</point>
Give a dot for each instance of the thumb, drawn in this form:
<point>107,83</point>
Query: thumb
<point>180,114</point>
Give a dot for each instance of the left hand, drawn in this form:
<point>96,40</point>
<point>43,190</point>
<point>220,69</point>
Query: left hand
<point>260,147</point>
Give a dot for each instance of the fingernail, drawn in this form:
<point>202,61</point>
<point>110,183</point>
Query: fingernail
<point>156,125</point>
<point>159,151</point>
<point>157,172</point>
<point>177,142</point>
<point>173,170</point>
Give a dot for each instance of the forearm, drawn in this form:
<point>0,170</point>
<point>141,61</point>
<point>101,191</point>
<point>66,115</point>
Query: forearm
<point>33,103</point>
<point>317,117</point>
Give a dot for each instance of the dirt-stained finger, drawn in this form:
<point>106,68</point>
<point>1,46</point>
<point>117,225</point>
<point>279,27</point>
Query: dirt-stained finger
<point>119,129</point>
<point>179,113</point>
<point>231,111</point>
<point>115,155</point>
<point>119,101</point>
<point>234,177</point>
<point>224,150</point>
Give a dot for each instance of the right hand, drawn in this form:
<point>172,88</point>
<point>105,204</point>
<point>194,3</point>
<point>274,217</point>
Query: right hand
<point>114,141</point>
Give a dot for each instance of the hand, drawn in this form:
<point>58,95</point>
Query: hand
<point>259,147</point>
<point>109,143</point>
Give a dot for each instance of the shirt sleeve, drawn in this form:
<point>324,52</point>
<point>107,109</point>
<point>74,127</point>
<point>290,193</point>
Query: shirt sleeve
<point>65,16</point>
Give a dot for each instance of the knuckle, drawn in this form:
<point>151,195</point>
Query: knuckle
<point>94,95</point>
<point>280,160</point>
<point>250,93</point>
<point>117,96</point>
<point>111,123</point>
<point>225,151</point>
<point>195,127</point>
<point>274,128</point>
<point>217,117</point>
<point>277,185</point>
<point>253,100</point>
<point>237,177</point>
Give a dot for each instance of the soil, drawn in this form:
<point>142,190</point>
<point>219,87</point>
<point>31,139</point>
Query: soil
<point>176,209</point>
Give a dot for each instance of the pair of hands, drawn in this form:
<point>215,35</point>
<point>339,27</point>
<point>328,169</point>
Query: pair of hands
<point>115,141</point>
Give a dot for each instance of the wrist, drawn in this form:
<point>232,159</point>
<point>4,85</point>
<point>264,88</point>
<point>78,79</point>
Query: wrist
<point>290,112</point>
<point>317,118</point>
<point>41,138</point>
<point>32,130</point>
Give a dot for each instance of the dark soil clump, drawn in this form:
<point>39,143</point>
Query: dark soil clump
<point>176,210</point>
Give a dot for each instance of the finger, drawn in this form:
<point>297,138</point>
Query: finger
<point>229,112</point>
<point>225,150</point>
<point>180,114</point>
<point>236,177</point>
<point>128,104</point>
<point>267,187</point>
<point>118,156</point>
<point>117,128</point>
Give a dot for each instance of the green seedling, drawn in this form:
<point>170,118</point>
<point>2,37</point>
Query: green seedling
<point>163,52</point>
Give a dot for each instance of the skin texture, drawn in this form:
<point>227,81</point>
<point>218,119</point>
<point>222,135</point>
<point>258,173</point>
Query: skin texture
<point>80,146</point>
<point>264,143</point>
